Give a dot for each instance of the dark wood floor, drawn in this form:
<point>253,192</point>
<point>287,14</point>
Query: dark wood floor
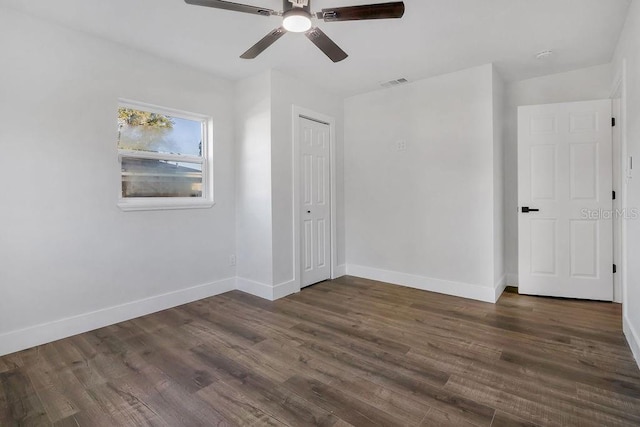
<point>346,352</point>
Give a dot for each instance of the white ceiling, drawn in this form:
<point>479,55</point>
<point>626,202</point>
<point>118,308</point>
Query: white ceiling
<point>434,37</point>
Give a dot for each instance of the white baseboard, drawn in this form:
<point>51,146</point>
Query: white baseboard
<point>252,287</point>
<point>512,279</point>
<point>284,289</point>
<point>265,291</point>
<point>13,341</point>
<point>32,336</point>
<point>499,287</point>
<point>340,270</point>
<point>465,290</point>
<point>632,338</point>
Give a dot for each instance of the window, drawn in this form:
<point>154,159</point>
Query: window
<point>164,158</point>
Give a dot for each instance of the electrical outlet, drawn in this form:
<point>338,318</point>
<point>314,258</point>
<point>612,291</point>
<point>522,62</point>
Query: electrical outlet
<point>401,145</point>
<point>232,260</point>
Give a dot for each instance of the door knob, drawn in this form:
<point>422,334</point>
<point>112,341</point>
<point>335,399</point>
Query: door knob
<point>527,209</point>
<point>308,211</point>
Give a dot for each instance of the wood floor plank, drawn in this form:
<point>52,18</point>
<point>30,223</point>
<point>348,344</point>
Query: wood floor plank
<point>226,324</point>
<point>505,420</point>
<point>230,347</point>
<point>432,395</point>
<point>335,401</point>
<point>405,408</point>
<point>346,352</point>
<point>123,406</point>
<point>345,327</point>
<point>529,408</point>
<point>394,318</point>
<point>70,421</point>
<point>375,356</point>
<point>256,315</point>
<point>570,352</point>
<point>501,400</point>
<point>93,416</point>
<point>561,398</point>
<point>606,381</point>
<point>57,403</point>
<point>267,395</point>
<point>181,367</point>
<point>6,365</point>
<point>28,411</point>
<point>58,388</point>
<point>393,321</point>
<point>437,418</point>
<point>15,386</point>
<point>235,406</point>
<point>293,360</point>
<point>597,396</point>
<point>153,391</point>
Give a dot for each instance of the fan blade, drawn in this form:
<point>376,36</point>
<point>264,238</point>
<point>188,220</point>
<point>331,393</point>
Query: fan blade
<point>368,11</point>
<point>326,45</point>
<point>263,44</point>
<point>236,7</point>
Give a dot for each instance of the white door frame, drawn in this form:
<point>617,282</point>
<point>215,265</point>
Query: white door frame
<point>322,118</point>
<point>619,91</point>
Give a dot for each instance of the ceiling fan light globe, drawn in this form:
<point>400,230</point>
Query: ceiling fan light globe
<point>296,21</point>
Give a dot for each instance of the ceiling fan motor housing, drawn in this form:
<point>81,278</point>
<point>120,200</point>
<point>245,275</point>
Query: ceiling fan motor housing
<point>296,18</point>
<point>299,3</point>
<point>288,5</point>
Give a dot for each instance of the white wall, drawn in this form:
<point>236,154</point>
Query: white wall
<point>580,85</point>
<point>423,217</point>
<point>499,277</point>
<point>253,184</point>
<point>288,91</point>
<point>65,248</point>
<point>264,162</point>
<point>628,50</point>
<point>71,260</point>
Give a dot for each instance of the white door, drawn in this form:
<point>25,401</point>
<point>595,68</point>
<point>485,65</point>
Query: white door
<point>565,200</point>
<point>315,200</point>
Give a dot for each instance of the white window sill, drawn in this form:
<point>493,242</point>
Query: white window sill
<point>160,204</point>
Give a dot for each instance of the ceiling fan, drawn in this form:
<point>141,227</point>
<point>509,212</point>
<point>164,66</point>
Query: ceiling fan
<point>297,18</point>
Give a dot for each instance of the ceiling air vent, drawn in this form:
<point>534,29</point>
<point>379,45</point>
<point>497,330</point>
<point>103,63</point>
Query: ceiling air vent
<point>397,82</point>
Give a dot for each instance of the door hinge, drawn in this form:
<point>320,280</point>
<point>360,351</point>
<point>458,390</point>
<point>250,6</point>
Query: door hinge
<point>613,193</point>
<point>613,121</point>
<point>615,269</point>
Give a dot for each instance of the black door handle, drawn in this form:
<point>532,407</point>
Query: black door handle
<point>527,209</point>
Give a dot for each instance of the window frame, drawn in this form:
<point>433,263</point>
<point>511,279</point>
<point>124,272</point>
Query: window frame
<point>206,160</point>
